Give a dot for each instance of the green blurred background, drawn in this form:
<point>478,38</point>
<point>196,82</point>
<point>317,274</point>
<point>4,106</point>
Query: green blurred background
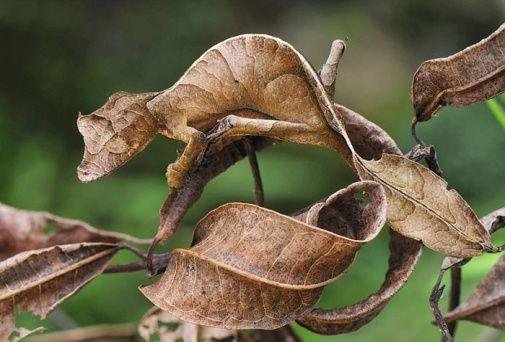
<point>59,58</point>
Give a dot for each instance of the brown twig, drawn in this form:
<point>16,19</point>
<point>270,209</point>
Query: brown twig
<point>455,295</point>
<point>418,152</point>
<point>435,295</point>
<point>134,250</point>
<point>253,163</point>
<point>414,134</point>
<point>159,263</point>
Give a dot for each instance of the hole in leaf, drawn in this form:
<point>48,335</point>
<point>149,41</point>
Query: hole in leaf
<point>50,228</point>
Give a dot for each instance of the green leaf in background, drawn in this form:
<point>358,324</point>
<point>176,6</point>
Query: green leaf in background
<point>497,110</point>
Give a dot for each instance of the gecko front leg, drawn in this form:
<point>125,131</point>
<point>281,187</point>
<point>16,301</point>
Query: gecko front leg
<point>191,156</point>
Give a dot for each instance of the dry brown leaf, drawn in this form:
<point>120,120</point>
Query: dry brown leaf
<point>115,133</point>
<point>469,76</point>
<point>419,204</point>
<point>169,328</point>
<point>491,222</point>
<point>251,267</point>
<point>405,254</point>
<point>421,207</point>
<point>368,139</point>
<point>40,280</point>
<point>486,304</point>
<point>22,230</point>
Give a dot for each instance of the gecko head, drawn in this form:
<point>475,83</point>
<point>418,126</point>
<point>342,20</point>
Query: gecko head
<point>115,133</point>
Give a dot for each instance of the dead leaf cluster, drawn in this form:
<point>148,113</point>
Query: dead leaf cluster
<point>250,267</point>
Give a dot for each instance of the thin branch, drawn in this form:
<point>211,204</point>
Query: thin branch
<point>435,295</point>
<point>414,134</point>
<point>253,163</point>
<point>428,153</point>
<point>134,250</point>
<point>159,264</point>
<point>455,295</point>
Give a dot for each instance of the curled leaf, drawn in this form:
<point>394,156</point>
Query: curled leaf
<point>421,207</point>
<point>469,76</point>
<point>22,230</point>
<point>40,280</point>
<point>486,304</point>
<point>368,139</point>
<point>251,267</point>
<point>168,328</point>
<point>115,133</point>
<point>405,254</point>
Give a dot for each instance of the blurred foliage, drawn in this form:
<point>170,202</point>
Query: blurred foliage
<point>498,111</point>
<point>63,57</point>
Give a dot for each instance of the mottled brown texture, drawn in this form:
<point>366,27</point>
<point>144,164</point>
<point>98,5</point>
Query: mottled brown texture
<point>22,230</point>
<point>473,75</point>
<point>421,207</point>
<point>157,322</point>
<point>38,281</point>
<point>115,133</point>
<point>485,305</point>
<point>250,267</point>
